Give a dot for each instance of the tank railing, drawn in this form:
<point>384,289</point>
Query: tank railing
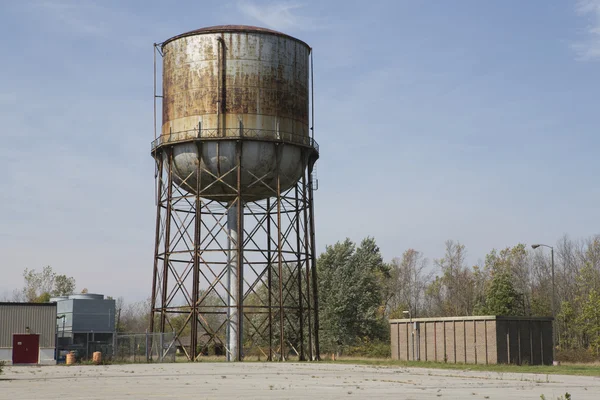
<point>235,133</point>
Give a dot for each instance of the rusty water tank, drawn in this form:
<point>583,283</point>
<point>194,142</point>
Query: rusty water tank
<point>228,82</point>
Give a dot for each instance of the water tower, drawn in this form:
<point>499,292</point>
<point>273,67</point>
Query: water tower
<point>234,260</point>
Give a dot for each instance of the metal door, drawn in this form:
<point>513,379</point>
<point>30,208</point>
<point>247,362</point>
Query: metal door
<point>26,349</point>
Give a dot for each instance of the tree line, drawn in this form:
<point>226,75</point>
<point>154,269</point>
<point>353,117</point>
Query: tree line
<point>360,292</point>
<point>40,286</point>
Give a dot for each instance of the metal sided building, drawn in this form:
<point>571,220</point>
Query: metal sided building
<point>28,333</point>
<point>85,322</point>
<point>473,340</point>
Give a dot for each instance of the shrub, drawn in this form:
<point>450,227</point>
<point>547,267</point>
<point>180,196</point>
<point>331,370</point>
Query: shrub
<point>374,349</point>
<point>1,365</point>
<point>576,356</point>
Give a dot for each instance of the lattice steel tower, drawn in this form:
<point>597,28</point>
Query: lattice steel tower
<point>234,262</point>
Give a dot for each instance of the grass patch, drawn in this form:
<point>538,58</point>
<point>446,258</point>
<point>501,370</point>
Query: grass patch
<point>563,369</point>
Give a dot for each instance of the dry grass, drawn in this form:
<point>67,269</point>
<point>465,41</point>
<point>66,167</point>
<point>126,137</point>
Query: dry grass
<point>591,369</point>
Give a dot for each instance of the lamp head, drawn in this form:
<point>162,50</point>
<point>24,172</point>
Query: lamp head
<point>535,246</point>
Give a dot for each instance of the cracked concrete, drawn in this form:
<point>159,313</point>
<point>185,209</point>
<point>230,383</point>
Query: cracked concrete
<point>282,380</point>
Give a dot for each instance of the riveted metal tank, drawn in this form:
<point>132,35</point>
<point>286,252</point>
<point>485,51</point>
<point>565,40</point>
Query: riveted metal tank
<point>224,83</point>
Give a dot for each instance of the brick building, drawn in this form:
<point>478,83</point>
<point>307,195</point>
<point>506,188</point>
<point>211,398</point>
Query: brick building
<point>473,340</point>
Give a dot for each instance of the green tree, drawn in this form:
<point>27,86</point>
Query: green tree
<point>40,286</point>
<point>567,334</point>
<point>501,297</point>
<point>350,294</point>
<point>589,319</point>
<point>584,328</point>
<point>501,294</point>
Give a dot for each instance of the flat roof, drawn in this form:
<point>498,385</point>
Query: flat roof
<point>469,318</point>
<point>25,304</point>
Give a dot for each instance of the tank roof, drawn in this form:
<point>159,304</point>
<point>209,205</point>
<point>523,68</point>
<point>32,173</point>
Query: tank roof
<point>86,296</point>
<point>232,28</point>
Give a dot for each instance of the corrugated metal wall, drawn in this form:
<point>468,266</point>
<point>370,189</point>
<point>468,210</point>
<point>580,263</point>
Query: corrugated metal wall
<point>93,315</point>
<point>16,317</point>
<point>87,315</point>
<point>473,340</point>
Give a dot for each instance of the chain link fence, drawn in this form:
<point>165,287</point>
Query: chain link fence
<point>144,347</point>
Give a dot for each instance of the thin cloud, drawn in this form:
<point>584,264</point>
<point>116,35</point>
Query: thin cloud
<point>589,48</point>
<point>95,20</point>
<point>278,15</point>
<point>75,16</point>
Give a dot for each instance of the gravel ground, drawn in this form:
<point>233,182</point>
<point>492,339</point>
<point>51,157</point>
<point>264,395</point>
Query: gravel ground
<point>282,381</point>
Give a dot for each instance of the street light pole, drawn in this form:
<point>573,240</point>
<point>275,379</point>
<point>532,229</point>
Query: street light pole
<point>552,303</point>
<point>553,286</point>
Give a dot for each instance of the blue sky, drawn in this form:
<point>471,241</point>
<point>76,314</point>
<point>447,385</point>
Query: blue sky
<point>466,120</point>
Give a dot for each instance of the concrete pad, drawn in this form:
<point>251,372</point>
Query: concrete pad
<point>281,381</point>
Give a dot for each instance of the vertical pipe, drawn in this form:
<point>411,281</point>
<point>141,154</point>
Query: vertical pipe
<point>163,314</point>
<point>308,261</point>
<point>240,255</point>
<point>235,279</point>
<point>553,306</point>
<point>232,281</point>
<point>197,240</point>
<point>314,262</point>
<point>312,95</point>
<point>228,328</point>
<point>508,342</point>
<point>408,341</point>
<point>220,77</point>
<point>299,269</point>
<point>280,261</point>
<point>418,340</point>
<point>156,241</point>
<point>412,341</point>
<point>154,93</point>
<point>269,280</point>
